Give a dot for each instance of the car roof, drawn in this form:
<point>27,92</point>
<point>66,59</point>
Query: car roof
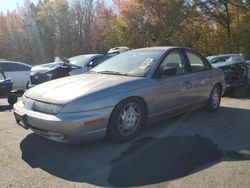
<point>165,48</point>
<point>3,61</point>
<point>86,55</point>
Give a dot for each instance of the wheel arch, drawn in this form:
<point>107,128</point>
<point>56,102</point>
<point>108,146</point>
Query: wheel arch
<point>141,99</point>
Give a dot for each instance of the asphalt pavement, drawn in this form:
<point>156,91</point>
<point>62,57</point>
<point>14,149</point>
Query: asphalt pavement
<point>195,149</point>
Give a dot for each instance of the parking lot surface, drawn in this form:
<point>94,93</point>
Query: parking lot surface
<point>195,149</point>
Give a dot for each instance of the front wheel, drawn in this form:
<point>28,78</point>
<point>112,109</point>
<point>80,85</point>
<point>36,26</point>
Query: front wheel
<point>126,120</point>
<point>214,100</point>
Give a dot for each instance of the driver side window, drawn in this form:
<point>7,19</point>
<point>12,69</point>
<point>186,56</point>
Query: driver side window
<point>174,60</point>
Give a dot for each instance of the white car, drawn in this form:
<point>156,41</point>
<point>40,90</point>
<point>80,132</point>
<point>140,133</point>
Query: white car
<point>119,49</point>
<point>18,72</point>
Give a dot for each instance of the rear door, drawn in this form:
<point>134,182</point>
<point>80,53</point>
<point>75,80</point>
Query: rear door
<point>18,73</point>
<point>22,74</point>
<point>172,92</point>
<point>202,76</point>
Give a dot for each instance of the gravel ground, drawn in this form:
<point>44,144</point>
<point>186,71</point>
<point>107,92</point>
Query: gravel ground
<point>196,149</point>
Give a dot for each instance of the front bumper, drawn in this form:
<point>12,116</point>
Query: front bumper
<point>68,127</point>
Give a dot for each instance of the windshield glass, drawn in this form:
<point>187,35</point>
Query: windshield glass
<point>81,60</point>
<point>131,63</point>
<point>223,59</point>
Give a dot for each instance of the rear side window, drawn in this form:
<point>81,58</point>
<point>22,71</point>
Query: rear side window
<point>19,67</point>
<point>11,67</point>
<point>196,62</point>
<point>4,66</point>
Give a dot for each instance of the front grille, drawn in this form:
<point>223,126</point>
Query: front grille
<point>39,78</point>
<point>59,137</point>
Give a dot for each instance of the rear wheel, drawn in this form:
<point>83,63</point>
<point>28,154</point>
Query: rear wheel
<point>214,99</point>
<point>126,120</point>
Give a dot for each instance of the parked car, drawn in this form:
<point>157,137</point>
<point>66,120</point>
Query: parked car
<point>6,88</point>
<point>248,63</point>
<point>119,96</point>
<point>18,72</point>
<point>66,67</point>
<point>235,69</point>
<point>119,49</point>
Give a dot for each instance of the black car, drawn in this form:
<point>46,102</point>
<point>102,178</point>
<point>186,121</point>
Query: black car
<point>235,68</point>
<point>66,67</point>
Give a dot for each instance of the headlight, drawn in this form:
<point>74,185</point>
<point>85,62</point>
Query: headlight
<point>24,99</point>
<point>47,108</point>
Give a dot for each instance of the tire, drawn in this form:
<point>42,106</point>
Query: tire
<point>126,120</point>
<point>12,99</point>
<point>214,100</point>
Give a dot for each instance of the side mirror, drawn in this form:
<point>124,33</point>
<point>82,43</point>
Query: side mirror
<point>91,64</point>
<point>65,60</point>
<point>167,71</point>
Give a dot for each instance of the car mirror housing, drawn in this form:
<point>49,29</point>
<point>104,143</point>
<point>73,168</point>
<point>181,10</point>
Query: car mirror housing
<point>91,64</point>
<point>167,71</point>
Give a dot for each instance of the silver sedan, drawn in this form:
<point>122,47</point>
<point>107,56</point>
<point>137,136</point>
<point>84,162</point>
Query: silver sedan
<point>118,97</point>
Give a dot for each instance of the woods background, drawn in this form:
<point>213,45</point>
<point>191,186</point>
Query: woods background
<point>35,34</point>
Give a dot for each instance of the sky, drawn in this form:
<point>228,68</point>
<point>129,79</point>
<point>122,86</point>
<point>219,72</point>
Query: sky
<point>10,5</point>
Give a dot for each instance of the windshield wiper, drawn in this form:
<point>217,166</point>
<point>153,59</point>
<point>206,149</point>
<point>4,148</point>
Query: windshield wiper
<point>113,73</point>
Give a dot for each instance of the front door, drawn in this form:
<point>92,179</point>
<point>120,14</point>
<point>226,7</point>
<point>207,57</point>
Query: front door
<point>172,92</point>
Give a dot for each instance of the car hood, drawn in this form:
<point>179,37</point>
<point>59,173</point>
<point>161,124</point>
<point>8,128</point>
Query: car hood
<point>46,67</point>
<point>64,90</point>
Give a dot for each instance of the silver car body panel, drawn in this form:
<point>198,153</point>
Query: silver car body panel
<point>93,96</point>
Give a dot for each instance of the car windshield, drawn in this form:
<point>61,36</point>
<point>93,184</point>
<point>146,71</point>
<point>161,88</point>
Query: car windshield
<point>131,63</point>
<point>103,58</point>
<point>81,60</point>
<point>224,59</point>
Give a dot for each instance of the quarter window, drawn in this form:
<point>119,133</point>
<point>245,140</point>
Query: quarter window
<point>196,62</point>
<point>174,59</point>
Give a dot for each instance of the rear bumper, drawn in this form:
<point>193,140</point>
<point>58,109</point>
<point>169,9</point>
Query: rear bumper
<point>69,128</point>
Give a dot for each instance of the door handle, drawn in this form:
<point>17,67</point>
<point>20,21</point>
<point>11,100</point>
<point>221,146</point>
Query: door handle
<point>204,82</point>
